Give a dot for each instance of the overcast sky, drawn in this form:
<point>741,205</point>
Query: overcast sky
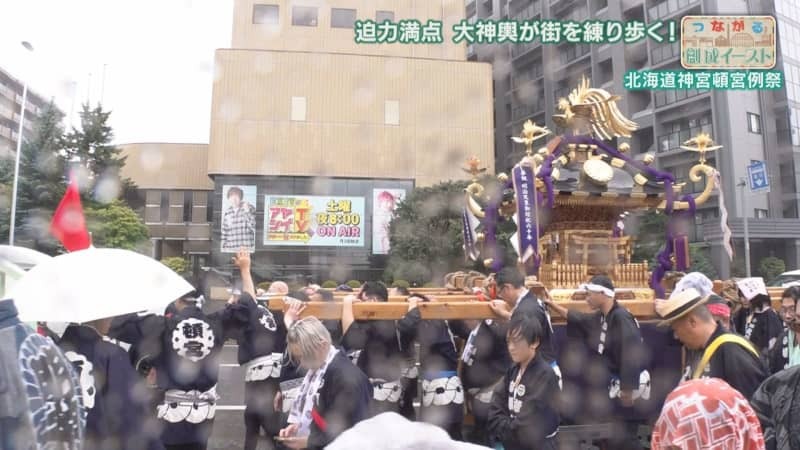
<point>158,57</point>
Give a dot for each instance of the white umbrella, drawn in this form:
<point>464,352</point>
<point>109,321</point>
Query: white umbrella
<point>22,256</point>
<point>96,283</point>
<point>391,431</point>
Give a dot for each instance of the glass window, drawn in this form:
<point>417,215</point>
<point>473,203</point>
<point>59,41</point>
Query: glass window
<point>754,123</point>
<point>298,109</point>
<point>164,206</point>
<point>266,14</point>
<point>392,112</point>
<point>343,18</point>
<point>381,16</point>
<point>187,206</point>
<point>304,16</point>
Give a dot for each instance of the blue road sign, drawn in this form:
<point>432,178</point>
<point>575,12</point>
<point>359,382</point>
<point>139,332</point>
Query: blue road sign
<point>757,177</point>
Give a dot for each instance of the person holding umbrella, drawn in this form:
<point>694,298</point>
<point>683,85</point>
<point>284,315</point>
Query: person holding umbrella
<point>185,350</point>
<point>83,280</point>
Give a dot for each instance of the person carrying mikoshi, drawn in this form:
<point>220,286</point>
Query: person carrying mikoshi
<point>718,353</point>
<point>612,376</point>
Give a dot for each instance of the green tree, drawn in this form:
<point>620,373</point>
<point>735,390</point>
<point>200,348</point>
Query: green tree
<point>177,264</point>
<point>41,182</point>
<point>648,229</point>
<point>90,147</point>
<point>701,261</point>
<point>115,225</point>
<point>770,267</point>
<point>426,237</point>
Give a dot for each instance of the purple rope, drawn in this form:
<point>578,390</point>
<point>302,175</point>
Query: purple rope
<point>491,219</point>
<point>664,258</point>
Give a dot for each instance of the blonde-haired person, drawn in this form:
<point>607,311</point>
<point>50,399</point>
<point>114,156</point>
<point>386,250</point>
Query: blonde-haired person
<point>335,394</point>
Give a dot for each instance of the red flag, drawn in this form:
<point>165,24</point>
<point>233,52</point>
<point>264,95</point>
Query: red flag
<point>68,224</point>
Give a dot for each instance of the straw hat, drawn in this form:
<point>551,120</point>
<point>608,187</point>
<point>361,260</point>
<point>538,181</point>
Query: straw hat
<point>678,305</point>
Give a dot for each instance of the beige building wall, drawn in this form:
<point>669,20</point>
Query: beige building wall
<point>323,38</point>
<point>364,116</point>
<point>167,166</point>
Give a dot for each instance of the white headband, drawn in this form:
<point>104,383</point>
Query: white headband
<point>598,288</point>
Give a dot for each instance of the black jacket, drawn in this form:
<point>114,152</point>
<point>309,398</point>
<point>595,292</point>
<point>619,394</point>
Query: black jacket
<point>733,363</point>
<point>116,415</point>
<point>437,352</point>
<point>523,418</point>
<point>624,353</point>
<point>342,401</point>
<point>777,403</point>
<point>764,328</point>
<point>489,359</point>
<point>379,342</point>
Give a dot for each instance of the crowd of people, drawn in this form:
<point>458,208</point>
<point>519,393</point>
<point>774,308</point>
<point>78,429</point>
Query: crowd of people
<point>148,381</point>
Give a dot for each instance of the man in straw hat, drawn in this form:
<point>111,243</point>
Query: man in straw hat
<point>717,352</point>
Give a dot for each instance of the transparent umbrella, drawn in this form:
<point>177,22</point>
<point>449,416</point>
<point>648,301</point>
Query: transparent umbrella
<point>96,283</point>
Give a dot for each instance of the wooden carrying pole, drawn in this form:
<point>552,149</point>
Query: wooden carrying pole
<point>465,307</point>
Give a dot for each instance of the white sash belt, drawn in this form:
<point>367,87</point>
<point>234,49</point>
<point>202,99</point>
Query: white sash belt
<point>386,391</point>
<point>263,367</point>
<point>188,406</point>
<point>442,391</point>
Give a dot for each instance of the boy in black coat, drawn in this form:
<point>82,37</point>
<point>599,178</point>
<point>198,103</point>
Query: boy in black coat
<point>524,414</point>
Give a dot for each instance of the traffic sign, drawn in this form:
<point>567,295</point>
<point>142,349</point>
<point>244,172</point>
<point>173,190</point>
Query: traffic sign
<point>757,177</point>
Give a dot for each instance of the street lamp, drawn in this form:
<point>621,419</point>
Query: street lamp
<point>11,227</point>
<point>743,184</point>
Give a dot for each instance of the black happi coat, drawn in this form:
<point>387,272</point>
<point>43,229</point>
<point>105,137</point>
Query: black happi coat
<point>531,307</point>
<point>623,357</point>
<point>623,349</point>
<point>523,418</point>
<point>778,355</point>
<point>262,331</point>
<point>342,401</point>
<point>110,386</point>
<point>733,363</point>
<point>262,334</point>
<point>187,344</point>
<point>490,359</point>
<point>379,342</point>
<point>437,356</point>
<point>763,330</point>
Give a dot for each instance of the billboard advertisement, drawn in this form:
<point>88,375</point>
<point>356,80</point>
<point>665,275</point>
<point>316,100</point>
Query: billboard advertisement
<point>384,202</point>
<point>314,221</point>
<point>238,224</point>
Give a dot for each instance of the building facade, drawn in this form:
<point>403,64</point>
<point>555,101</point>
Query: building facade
<point>313,138</point>
<point>529,79</point>
<point>10,110</point>
<point>173,197</point>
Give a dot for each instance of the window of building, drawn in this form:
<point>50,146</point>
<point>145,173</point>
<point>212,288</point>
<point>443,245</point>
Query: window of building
<point>210,209</point>
<point>299,109</point>
<point>187,206</point>
<point>391,112</point>
<point>381,16</point>
<point>762,213</point>
<point>343,18</point>
<point>266,14</point>
<point>753,123</point>
<point>164,206</point>
<point>304,16</point>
